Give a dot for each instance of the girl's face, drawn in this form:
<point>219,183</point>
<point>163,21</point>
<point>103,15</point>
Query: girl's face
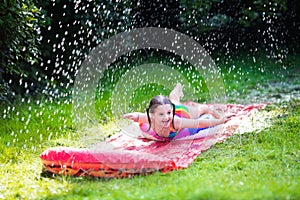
<point>163,115</point>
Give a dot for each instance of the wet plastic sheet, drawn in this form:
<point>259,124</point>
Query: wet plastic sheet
<point>125,156</point>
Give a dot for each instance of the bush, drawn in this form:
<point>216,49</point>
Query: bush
<point>20,22</point>
<point>42,43</point>
<point>238,25</point>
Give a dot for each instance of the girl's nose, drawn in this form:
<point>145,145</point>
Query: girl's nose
<point>167,116</point>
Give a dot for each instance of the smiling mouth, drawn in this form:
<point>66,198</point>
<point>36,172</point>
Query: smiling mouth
<point>166,122</point>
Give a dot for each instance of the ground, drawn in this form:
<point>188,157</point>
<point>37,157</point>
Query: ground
<point>260,164</point>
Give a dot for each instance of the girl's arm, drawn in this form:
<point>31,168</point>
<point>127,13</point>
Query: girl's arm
<point>137,117</point>
<point>197,123</point>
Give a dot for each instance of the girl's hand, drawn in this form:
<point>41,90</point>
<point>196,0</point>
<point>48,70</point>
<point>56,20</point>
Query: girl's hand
<point>225,119</point>
<point>133,116</point>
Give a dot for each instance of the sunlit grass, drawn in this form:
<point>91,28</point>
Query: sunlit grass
<point>250,166</point>
<point>264,165</point>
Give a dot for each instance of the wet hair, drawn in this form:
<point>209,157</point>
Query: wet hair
<point>154,103</point>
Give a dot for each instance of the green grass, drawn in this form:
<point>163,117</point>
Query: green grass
<point>263,165</point>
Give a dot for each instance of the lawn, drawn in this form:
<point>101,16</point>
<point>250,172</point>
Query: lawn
<point>255,165</point>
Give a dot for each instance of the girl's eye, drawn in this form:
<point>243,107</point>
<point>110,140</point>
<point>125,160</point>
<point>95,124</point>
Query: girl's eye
<point>169,113</point>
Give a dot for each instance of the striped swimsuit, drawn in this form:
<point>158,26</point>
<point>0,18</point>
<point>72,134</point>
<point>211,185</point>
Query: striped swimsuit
<point>181,111</point>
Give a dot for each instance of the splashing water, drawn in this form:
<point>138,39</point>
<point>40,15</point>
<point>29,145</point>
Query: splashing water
<point>55,97</point>
<point>128,84</point>
<point>278,91</point>
<point>33,124</point>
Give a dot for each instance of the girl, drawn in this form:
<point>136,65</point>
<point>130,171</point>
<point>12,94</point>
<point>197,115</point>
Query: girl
<point>166,118</point>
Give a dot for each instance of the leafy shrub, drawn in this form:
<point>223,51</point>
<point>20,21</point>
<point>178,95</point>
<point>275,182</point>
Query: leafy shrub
<point>20,22</point>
